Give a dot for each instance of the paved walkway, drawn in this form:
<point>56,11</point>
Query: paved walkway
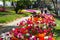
<point>6,29</point>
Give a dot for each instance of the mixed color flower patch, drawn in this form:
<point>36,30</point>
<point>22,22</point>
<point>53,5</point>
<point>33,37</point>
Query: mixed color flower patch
<point>29,10</point>
<point>37,27</point>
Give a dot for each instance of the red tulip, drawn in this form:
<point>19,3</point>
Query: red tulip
<point>23,30</point>
<point>29,22</point>
<point>49,29</point>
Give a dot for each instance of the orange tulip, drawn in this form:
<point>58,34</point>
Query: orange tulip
<point>35,19</point>
<point>14,38</point>
<point>40,19</point>
<point>53,38</point>
<point>41,36</point>
<point>30,18</point>
<point>25,38</point>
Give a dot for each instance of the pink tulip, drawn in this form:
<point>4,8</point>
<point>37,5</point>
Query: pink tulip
<point>1,39</point>
<point>19,35</point>
<point>45,31</point>
<point>50,38</point>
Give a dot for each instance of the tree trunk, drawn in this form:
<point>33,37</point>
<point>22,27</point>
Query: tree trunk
<point>3,3</point>
<point>38,2</point>
<point>55,6</point>
<point>14,6</point>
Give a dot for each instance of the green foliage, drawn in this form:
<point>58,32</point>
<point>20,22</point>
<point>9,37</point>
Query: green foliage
<point>24,3</point>
<point>57,29</point>
<point>58,23</point>
<point>12,0</point>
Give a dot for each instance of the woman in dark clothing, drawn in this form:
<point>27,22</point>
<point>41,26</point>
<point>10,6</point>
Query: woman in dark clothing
<point>45,11</point>
<point>41,8</point>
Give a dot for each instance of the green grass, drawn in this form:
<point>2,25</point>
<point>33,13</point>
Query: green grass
<point>57,31</point>
<point>58,23</point>
<point>10,16</point>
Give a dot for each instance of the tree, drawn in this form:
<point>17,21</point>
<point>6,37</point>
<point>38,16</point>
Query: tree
<point>4,4</point>
<point>22,4</point>
<point>55,6</point>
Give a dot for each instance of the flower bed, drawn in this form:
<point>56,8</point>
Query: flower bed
<point>37,27</point>
<point>2,9</point>
<point>29,11</point>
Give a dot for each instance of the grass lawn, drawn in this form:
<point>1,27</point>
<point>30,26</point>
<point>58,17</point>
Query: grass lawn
<point>10,16</point>
<point>57,31</point>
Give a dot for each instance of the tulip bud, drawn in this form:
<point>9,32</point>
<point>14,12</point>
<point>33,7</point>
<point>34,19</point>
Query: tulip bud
<point>46,37</point>
<point>28,34</point>
<point>13,29</point>
<point>33,38</point>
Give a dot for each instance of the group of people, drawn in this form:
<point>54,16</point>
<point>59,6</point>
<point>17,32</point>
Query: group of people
<point>45,10</point>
